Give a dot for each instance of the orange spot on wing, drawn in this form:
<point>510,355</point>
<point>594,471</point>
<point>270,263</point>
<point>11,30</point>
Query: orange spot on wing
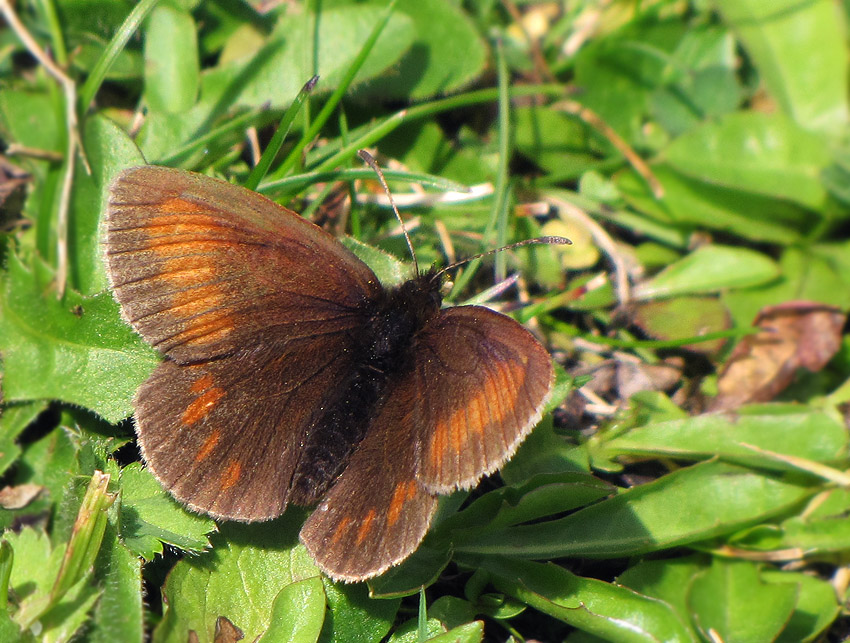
<point>231,475</point>
<point>205,334</point>
<point>197,300</point>
<point>202,406</point>
<point>202,383</point>
<point>207,320</point>
<point>340,530</point>
<point>404,492</point>
<point>208,446</point>
<point>178,204</point>
<point>366,526</point>
<point>185,272</point>
<point>489,407</point>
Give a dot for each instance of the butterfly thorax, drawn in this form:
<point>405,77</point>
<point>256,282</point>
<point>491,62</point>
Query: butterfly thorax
<point>399,315</point>
<point>383,349</point>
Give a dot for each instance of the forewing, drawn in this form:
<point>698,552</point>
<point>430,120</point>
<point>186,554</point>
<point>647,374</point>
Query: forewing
<point>377,513</point>
<point>224,436</point>
<point>483,380</point>
<point>201,267</point>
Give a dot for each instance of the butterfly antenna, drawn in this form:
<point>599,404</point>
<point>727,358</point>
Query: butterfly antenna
<point>371,162</point>
<point>550,241</point>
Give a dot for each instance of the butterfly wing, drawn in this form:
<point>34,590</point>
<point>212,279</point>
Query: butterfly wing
<point>224,436</point>
<point>476,388</point>
<point>257,310</point>
<point>202,267</point>
<point>483,381</point>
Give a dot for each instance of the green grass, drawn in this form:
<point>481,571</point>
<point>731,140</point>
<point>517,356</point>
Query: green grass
<point>685,484</point>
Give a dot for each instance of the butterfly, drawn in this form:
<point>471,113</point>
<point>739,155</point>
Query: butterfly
<point>292,376</point>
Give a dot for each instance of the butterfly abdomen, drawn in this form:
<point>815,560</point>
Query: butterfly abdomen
<point>383,350</point>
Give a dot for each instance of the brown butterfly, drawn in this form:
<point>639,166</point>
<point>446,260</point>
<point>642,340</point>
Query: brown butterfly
<point>292,376</point>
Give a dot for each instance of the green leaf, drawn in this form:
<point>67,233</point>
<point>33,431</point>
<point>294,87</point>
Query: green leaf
<point>299,46</point>
<point>693,203</point>
<point>36,564</point>
<point>711,268</point>
<point>52,463</point>
<point>811,435</point>
<point>149,517</point>
<point>666,581</point>
<point>420,569</point>
<point>819,530</point>
<point>467,633</point>
<point>354,616</point>
<point>818,273</point>
<point>721,498</point>
<point>816,606</point>
<point>446,53</point>
<point>605,610</point>
<point>172,74</point>
<point>240,580</point>
<point>298,612</point>
<point>389,270</point>
<point>811,89</point>
<point>409,632</point>
<point>13,420</point>
<point>76,350</point>
<point>118,615</point>
<point>108,150</point>
<point>732,600</point>
<point>544,451</point>
<point>765,154</point>
<point>61,622</point>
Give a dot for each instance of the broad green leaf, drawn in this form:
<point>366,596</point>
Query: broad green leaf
<point>766,154</point>
<point>354,616</point>
<point>544,451</point>
<point>52,463</point>
<point>172,74</point>
<point>389,270</point>
<point>14,418</point>
<point>150,517</point>
<point>420,569</point>
<point>35,567</point>
<point>819,273</point>
<point>408,632</point>
<point>452,611</point>
<point>692,204</point>
<point>667,580</point>
<point>468,633</point>
<point>812,436</point>
<point>605,610</point>
<point>544,494</point>
<point>816,608</point>
<point>700,81</point>
<point>76,350</point>
<point>811,88</point>
<point>683,318</point>
<point>240,579</point>
<point>819,530</point>
<point>618,74</point>
<point>732,600</point>
<point>446,53</point>
<point>27,118</point>
<point>556,142</point>
<point>721,498</point>
<point>108,150</point>
<point>707,269</point>
<point>298,613</point>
